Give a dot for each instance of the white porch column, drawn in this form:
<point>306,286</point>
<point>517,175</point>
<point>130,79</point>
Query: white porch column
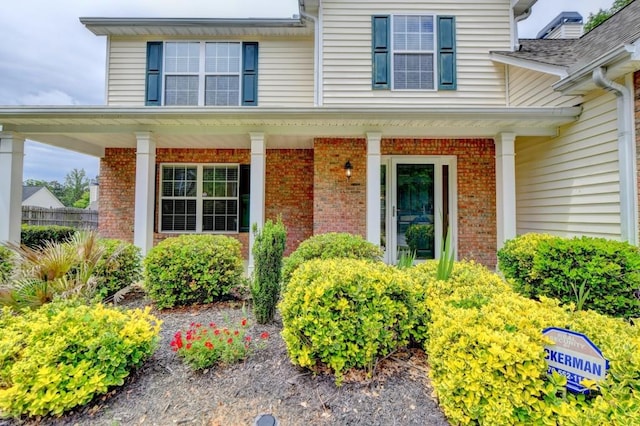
<point>505,187</point>
<point>373,187</point>
<point>145,191</point>
<point>11,166</point>
<point>258,177</point>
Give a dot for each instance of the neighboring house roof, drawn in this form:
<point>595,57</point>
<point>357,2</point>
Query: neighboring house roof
<point>621,28</point>
<point>28,191</point>
<point>561,19</point>
<point>39,196</point>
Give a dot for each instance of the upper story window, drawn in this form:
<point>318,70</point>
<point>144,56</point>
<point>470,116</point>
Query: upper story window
<point>413,52</point>
<point>196,73</point>
<point>202,73</point>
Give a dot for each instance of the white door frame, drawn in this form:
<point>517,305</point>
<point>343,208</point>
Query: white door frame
<point>438,161</point>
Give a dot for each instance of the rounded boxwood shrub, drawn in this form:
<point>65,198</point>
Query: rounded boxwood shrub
<point>609,270</point>
<point>36,235</point>
<point>120,265</point>
<point>515,260</point>
<point>62,355</point>
<point>192,269</point>
<point>329,246</point>
<point>346,313</point>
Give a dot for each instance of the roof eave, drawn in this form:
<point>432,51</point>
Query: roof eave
<point>111,26</point>
<point>521,6</point>
<point>579,80</point>
<point>558,70</point>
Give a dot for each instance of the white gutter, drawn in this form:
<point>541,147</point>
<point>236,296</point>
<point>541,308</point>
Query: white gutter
<point>514,27</point>
<point>626,156</point>
<point>316,56</point>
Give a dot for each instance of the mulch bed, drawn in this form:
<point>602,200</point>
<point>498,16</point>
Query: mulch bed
<point>164,391</point>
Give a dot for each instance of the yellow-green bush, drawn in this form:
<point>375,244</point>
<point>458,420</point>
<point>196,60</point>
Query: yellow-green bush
<point>346,313</point>
<point>63,354</point>
<point>485,348</point>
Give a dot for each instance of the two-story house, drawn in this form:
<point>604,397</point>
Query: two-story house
<point>370,117</point>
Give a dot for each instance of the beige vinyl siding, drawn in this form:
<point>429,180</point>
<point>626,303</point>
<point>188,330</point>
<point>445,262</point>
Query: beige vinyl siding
<point>570,185</point>
<point>531,88</point>
<point>126,72</point>
<point>480,28</point>
<point>285,72</point>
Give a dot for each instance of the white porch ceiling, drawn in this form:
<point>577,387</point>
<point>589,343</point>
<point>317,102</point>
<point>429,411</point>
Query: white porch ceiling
<point>92,129</point>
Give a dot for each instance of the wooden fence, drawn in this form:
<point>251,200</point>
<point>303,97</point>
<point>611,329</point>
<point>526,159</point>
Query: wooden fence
<point>65,216</point>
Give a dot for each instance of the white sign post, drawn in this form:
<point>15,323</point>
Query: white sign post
<point>574,356</point>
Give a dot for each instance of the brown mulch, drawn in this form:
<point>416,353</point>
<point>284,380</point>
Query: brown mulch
<point>165,391</point>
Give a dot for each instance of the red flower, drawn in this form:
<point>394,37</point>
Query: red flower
<point>230,341</point>
<point>248,338</point>
<point>188,346</point>
<point>209,345</point>
<point>212,324</point>
<point>198,325</point>
<point>225,331</point>
<point>235,333</point>
<point>264,335</point>
<point>217,332</point>
<point>243,322</point>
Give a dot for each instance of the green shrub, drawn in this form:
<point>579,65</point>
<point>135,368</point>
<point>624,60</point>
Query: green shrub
<point>268,248</point>
<point>419,237</point>
<point>594,273</point>
<point>346,313</point>
<point>329,246</point>
<point>7,259</point>
<point>63,354</point>
<point>119,266</point>
<point>486,355</point>
<point>515,260</point>
<point>192,269</point>
<point>608,270</point>
<point>35,236</point>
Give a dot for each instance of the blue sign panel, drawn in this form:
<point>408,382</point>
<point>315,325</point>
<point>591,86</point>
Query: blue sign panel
<point>574,356</point>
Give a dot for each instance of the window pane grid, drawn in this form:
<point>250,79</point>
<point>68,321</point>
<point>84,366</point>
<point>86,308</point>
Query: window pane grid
<point>218,198</point>
<point>413,52</point>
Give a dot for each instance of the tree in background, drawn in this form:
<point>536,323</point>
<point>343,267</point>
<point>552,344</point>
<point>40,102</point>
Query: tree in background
<point>76,183</point>
<point>602,15</point>
<point>73,193</point>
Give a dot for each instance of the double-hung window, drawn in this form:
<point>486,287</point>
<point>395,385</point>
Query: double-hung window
<point>200,198</point>
<point>413,52</point>
<point>199,73</point>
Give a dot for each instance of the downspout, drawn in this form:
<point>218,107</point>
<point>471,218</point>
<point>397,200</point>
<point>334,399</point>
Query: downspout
<point>514,32</point>
<point>626,156</point>
<point>316,53</point>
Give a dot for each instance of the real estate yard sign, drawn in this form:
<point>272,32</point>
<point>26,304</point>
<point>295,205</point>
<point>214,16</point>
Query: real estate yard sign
<point>574,356</point>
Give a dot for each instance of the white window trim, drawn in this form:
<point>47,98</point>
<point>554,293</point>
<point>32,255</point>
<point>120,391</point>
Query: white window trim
<point>434,52</point>
<point>199,198</point>
<point>201,72</point>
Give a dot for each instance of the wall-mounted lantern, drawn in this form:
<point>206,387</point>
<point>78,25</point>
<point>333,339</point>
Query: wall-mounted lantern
<point>347,169</point>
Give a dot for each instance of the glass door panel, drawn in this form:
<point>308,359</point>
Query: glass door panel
<point>415,201</point>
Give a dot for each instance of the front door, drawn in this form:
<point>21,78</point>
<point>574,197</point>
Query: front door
<point>417,208</point>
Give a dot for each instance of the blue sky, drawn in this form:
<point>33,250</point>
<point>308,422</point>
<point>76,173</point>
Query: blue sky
<point>50,58</point>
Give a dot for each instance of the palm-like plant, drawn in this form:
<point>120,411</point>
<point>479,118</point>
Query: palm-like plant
<point>56,269</point>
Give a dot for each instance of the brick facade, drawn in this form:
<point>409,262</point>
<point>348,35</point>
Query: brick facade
<point>311,192</point>
<point>340,205</point>
<point>289,189</point>
<point>289,192</point>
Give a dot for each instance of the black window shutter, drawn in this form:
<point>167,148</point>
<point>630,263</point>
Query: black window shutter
<point>245,187</point>
<point>447,53</point>
<point>250,73</point>
<point>153,86</point>
<point>381,52</point>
